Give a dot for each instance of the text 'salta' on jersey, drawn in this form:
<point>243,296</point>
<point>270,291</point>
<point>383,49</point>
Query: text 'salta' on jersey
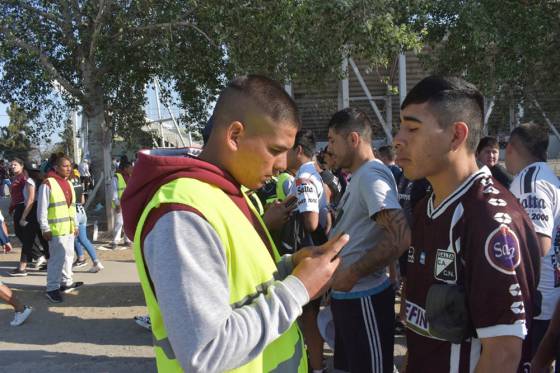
<point>478,238</point>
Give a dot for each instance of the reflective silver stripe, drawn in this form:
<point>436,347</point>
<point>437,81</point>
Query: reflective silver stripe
<point>260,289</point>
<point>59,220</point>
<point>292,364</point>
<point>56,204</point>
<point>165,345</point>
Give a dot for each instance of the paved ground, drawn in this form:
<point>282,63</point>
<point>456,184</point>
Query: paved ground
<point>92,331</point>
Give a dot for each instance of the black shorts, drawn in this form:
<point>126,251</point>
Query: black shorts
<point>365,333</point>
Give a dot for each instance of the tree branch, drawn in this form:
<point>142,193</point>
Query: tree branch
<point>165,25</point>
<point>46,63</point>
<point>48,16</point>
<point>96,28</point>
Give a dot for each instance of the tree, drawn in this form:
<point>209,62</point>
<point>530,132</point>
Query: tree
<point>14,138</point>
<point>102,53</point>
<point>509,49</point>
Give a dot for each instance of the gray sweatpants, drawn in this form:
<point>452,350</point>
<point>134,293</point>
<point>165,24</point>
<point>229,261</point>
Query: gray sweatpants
<point>59,269</point>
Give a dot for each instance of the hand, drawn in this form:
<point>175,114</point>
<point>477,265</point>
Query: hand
<point>316,268</point>
<point>47,235</point>
<point>117,209</point>
<point>23,222</point>
<point>278,213</point>
<point>76,231</point>
<point>345,279</point>
<point>7,248</point>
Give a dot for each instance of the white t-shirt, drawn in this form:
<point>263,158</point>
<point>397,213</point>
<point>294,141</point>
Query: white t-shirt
<point>308,188</point>
<point>28,183</point>
<point>536,188</point>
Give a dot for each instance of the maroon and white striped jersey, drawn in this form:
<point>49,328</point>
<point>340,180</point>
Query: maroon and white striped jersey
<point>481,239</point>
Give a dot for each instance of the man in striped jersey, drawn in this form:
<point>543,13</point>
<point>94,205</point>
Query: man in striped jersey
<point>536,187</point>
<point>472,268</point>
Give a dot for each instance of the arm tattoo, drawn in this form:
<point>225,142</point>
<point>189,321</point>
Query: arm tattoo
<point>395,240</point>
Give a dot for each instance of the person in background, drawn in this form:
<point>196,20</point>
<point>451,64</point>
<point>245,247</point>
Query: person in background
<point>82,240</point>
<point>85,174</point>
<point>4,178</point>
<point>22,311</point>
<point>119,184</point>
<point>549,346</point>
<point>487,154</point>
<point>56,213</point>
<point>536,187</point>
<point>24,208</point>
<point>387,155</point>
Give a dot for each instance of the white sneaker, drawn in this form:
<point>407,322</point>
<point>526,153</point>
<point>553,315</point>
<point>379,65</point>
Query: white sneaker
<point>40,261</point>
<point>144,321</point>
<point>20,317</point>
<point>96,267</point>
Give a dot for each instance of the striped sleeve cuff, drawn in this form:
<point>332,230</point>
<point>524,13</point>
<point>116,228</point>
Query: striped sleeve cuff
<point>515,330</point>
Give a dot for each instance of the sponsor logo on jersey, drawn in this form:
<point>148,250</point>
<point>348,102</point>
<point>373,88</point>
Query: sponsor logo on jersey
<point>416,320</point>
<point>532,202</point>
<point>497,202</point>
<point>502,217</point>
<point>502,250</point>
<point>517,308</point>
<point>515,290</point>
<point>411,254</point>
<point>445,267</point>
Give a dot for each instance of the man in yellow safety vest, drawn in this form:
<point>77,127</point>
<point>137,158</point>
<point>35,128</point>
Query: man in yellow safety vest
<point>220,297</point>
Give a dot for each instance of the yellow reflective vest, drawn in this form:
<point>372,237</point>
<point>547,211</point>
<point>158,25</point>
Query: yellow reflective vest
<point>250,268</point>
<point>121,185</point>
<point>61,217</point>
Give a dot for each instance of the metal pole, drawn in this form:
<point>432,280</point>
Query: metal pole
<point>344,87</point>
<point>156,90</point>
<point>172,116</point>
<point>402,77</point>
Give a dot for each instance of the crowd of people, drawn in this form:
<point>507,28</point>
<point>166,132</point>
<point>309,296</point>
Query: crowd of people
<point>266,238</point>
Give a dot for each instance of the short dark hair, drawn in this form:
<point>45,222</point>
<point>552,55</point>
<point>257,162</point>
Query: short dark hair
<point>267,94</point>
<point>388,151</point>
<point>533,137</point>
<point>305,139</point>
<point>487,141</point>
<point>352,120</point>
<point>452,100</point>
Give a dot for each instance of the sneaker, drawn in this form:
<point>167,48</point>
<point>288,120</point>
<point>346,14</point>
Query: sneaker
<point>144,321</point>
<point>18,273</point>
<point>79,263</point>
<point>104,247</point>
<point>20,317</point>
<point>120,248</point>
<point>96,267</point>
<point>42,268</point>
<point>54,296</point>
<point>7,248</point>
<point>40,262</point>
<point>70,288</point>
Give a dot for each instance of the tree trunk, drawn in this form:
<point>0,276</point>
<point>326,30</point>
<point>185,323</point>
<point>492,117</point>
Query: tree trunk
<point>99,147</point>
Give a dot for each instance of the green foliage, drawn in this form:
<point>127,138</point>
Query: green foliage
<point>104,52</point>
<point>509,49</point>
<point>14,138</point>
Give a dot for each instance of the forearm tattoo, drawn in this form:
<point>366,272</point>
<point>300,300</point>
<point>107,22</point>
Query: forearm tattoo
<point>395,240</point>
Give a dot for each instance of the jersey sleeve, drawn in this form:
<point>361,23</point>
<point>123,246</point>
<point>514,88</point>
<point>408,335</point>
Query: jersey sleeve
<point>378,191</point>
<point>308,192</point>
<point>493,279</point>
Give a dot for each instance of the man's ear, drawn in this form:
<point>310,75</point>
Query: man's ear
<point>460,134</point>
<point>354,138</point>
<point>234,131</point>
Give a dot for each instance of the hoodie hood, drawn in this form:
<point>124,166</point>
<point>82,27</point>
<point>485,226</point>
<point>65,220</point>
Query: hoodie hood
<point>157,167</point>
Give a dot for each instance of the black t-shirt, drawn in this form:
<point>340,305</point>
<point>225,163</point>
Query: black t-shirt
<point>479,239</point>
<point>78,189</point>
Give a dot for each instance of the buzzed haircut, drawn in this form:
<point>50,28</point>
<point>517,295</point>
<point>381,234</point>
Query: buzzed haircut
<point>487,141</point>
<point>350,120</point>
<point>388,151</point>
<point>451,100</point>
<point>265,94</point>
<point>305,139</point>
<point>533,137</point>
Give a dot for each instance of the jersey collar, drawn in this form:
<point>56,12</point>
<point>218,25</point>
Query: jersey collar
<point>434,213</point>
